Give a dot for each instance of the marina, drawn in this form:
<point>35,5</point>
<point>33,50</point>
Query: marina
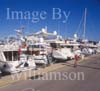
<point>43,48</point>
<point>49,45</point>
<point>37,49</point>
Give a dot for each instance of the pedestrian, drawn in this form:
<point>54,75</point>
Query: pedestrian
<point>76,58</point>
<point>0,74</point>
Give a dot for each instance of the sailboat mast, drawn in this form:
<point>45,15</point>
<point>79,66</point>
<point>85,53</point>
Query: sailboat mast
<point>85,23</point>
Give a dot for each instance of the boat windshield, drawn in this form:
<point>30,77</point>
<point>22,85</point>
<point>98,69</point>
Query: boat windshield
<point>36,46</point>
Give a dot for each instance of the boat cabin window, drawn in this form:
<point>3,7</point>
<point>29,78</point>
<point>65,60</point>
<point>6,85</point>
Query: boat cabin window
<point>55,45</point>
<point>67,46</point>
<point>11,55</point>
<point>36,46</point>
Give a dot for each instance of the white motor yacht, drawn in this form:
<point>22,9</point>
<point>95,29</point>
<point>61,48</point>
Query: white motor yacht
<point>12,62</point>
<point>39,52</point>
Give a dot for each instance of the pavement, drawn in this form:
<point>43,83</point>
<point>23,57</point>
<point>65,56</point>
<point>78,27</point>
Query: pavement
<point>11,79</point>
<point>24,78</point>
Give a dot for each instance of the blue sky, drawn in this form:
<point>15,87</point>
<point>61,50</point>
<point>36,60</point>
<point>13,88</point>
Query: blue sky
<point>76,7</point>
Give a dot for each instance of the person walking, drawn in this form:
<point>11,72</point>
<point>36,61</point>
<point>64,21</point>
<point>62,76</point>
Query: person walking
<point>0,74</point>
<point>76,58</point>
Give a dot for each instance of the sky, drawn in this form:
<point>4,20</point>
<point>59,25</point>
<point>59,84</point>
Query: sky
<point>66,29</point>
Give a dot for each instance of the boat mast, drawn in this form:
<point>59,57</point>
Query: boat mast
<point>85,24</point>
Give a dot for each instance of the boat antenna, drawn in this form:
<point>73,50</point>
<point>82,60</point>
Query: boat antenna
<point>80,23</point>
<point>85,23</point>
